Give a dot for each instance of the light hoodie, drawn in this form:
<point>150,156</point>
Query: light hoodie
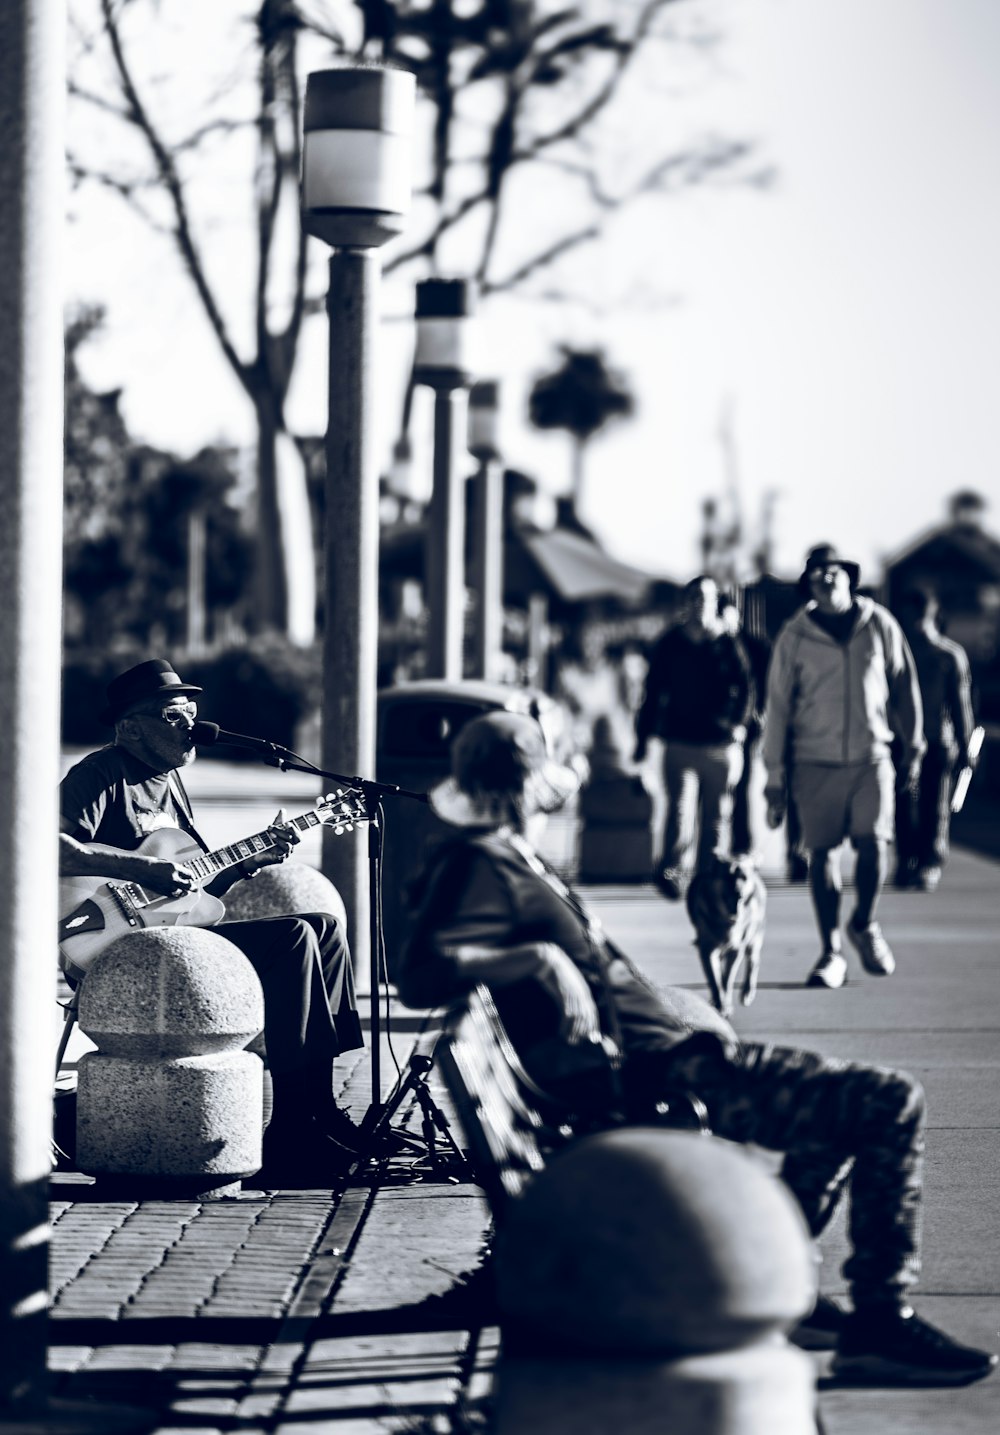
<point>841,703</point>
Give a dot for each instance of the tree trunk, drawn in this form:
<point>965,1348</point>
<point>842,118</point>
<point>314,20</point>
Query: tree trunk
<point>286,564</point>
<point>579,446</point>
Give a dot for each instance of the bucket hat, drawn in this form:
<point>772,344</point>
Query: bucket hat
<point>497,759</point>
<point>820,557</point>
<point>153,679</point>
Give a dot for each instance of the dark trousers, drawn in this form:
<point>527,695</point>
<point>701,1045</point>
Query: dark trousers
<point>742,837</point>
<point>834,1121</point>
<point>923,817</point>
<point>304,966</point>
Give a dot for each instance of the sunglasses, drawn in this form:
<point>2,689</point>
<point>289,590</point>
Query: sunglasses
<point>175,715</point>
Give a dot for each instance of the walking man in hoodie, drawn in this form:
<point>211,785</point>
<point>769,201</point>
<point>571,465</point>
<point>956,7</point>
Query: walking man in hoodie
<point>841,684</point>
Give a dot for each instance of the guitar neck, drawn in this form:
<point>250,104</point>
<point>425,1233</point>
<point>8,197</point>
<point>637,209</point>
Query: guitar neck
<point>210,864</point>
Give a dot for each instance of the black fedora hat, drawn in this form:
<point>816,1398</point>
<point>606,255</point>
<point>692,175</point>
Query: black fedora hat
<point>152,679</point>
<point>822,556</point>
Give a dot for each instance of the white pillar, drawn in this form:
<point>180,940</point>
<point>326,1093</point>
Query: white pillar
<point>32,80</point>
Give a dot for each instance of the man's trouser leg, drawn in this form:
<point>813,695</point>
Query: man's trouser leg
<point>907,831</point>
<point>305,970</point>
<point>824,1115</point>
<point>742,837</point>
<point>715,768</point>
<point>681,782</point>
<point>934,807</point>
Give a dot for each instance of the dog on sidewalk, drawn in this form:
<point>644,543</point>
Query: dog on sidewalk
<point>726,903</point>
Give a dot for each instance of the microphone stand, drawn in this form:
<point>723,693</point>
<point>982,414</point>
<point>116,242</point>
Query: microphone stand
<point>275,755</point>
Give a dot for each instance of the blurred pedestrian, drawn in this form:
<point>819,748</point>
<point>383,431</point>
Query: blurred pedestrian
<point>591,687</point>
<point>923,816</point>
<point>841,684</point>
<point>758,652</point>
<point>697,700</point>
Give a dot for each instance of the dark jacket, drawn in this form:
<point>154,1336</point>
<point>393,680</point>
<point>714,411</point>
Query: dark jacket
<point>945,691</point>
<point>695,692</point>
<point>481,889</point>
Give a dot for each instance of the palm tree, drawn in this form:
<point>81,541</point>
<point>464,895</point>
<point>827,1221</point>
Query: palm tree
<point>581,396</point>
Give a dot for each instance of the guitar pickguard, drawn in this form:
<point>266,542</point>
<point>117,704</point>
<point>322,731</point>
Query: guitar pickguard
<point>88,917</point>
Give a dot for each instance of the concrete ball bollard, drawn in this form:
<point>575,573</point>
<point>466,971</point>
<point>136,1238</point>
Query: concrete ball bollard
<point>285,890</point>
<point>170,1100</point>
<point>652,1276</point>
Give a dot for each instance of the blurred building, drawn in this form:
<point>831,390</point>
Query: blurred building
<point>960,561</point>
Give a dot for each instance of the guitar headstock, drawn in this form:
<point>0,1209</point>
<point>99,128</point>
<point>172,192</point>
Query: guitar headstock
<point>343,809</point>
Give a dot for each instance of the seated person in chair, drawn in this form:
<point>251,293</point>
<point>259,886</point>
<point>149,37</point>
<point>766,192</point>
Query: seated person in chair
<point>110,802</point>
<point>494,912</point>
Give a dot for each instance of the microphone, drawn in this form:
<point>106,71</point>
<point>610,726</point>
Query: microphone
<point>207,734</point>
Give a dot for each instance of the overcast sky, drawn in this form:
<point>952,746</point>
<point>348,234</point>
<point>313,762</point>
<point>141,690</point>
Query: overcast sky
<point>847,320</point>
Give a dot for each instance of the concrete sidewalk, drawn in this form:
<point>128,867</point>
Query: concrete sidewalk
<point>295,1311</point>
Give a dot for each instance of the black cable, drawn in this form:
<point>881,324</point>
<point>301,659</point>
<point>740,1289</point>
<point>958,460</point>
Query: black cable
<point>381,964</point>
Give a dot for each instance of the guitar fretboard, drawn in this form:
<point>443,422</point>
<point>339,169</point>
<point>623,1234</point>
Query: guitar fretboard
<point>210,864</point>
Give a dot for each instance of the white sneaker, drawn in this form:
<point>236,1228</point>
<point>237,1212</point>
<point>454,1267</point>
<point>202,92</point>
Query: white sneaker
<point>830,971</point>
<point>873,949</point>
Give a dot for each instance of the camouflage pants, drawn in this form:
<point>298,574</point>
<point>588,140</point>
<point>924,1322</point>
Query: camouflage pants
<point>835,1121</point>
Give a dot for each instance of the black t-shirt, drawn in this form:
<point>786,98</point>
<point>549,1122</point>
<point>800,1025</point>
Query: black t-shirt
<point>111,797</point>
<point>839,626</point>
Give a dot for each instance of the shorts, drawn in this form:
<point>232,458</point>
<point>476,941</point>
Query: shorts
<point>855,800</point>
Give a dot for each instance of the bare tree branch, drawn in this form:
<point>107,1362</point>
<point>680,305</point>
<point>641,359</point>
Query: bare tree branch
<point>545,257</point>
<point>688,168</point>
<point>607,92</point>
<point>126,189</point>
<point>99,102</point>
<point>167,170</point>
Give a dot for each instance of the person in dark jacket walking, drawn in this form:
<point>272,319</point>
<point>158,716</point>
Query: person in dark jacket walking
<point>923,815</point>
<point>698,697</point>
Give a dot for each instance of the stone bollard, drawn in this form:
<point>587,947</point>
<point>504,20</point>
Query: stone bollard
<point>287,890</point>
<point>646,1280</point>
<point>170,1103</point>
<point>616,813</point>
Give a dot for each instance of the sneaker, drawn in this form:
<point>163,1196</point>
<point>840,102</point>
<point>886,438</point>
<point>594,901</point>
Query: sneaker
<point>928,879</point>
<point>671,883</point>
<point>873,949</point>
<point>903,878</point>
<point>822,1329</point>
<point>830,971</point>
<point>899,1347</point>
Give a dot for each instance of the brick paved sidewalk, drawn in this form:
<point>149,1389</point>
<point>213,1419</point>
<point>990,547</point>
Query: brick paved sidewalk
<point>274,1310</point>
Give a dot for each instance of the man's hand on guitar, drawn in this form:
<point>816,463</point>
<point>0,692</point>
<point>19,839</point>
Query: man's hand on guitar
<point>283,838</point>
<point>162,875</point>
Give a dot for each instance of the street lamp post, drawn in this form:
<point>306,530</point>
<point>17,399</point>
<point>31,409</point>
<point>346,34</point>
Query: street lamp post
<point>441,362</point>
<point>356,170</point>
<point>484,445</point>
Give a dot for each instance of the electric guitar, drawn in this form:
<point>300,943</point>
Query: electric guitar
<point>96,911</point>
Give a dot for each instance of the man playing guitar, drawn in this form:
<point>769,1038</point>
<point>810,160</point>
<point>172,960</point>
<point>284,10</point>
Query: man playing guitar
<point>110,803</point>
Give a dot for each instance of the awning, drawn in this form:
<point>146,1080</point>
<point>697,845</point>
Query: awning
<point>578,570</point>
<point>567,566</point>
